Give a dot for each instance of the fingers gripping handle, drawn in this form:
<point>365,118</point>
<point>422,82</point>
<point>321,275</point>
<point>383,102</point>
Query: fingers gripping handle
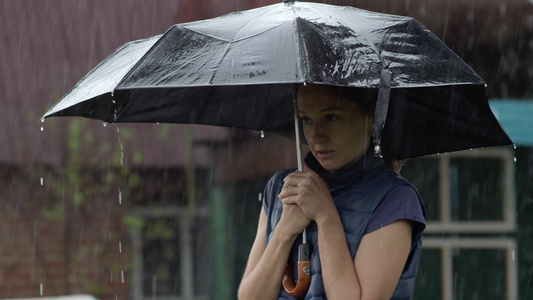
<point>304,274</point>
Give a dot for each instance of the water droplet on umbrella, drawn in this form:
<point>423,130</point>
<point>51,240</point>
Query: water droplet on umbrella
<point>42,128</point>
<point>105,124</point>
<point>42,120</point>
<point>262,134</point>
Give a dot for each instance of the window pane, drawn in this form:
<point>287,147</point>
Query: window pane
<point>428,279</point>
<point>423,173</point>
<point>479,274</point>
<point>476,189</point>
<point>161,250</point>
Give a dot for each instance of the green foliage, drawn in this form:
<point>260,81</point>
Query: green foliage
<point>159,229</point>
<point>54,213</point>
<point>94,170</point>
<point>133,223</point>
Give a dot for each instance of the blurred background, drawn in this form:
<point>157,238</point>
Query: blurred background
<point>167,211</point>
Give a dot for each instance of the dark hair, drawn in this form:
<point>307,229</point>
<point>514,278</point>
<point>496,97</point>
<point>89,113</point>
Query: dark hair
<point>366,98</point>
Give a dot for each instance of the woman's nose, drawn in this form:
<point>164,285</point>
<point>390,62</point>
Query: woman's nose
<point>317,133</point>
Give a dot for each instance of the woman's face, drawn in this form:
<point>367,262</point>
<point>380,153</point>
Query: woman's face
<point>337,132</point>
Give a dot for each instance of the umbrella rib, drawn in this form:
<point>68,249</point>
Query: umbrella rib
<point>230,42</point>
<point>234,40</point>
<point>378,53</point>
<point>240,39</point>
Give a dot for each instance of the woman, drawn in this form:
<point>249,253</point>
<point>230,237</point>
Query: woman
<point>363,221</point>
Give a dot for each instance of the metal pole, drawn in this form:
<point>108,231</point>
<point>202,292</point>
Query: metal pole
<point>298,149</point>
<point>297,135</point>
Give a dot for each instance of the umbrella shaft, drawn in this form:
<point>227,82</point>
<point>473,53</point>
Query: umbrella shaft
<point>297,135</point>
<point>298,151</point>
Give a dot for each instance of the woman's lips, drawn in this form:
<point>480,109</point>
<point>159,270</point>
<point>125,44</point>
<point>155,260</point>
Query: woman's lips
<point>324,154</point>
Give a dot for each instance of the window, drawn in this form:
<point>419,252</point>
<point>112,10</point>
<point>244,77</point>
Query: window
<point>466,191</point>
<point>469,268</point>
<point>167,249</point>
<point>470,199</point>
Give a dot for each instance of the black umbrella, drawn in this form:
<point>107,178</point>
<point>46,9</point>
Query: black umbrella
<point>239,70</point>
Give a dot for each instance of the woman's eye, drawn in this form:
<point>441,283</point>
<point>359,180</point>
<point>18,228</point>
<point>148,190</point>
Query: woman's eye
<point>306,120</point>
<point>332,118</point>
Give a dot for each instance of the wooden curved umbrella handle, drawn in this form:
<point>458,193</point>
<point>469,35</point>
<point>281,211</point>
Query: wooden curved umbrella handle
<point>304,274</point>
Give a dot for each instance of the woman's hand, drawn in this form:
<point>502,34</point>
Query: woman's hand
<point>293,220</point>
<point>309,192</point>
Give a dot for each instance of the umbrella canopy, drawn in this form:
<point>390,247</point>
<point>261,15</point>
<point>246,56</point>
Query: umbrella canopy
<point>239,70</point>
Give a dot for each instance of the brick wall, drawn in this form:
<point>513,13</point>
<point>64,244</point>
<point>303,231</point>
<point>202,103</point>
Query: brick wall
<point>50,246</point>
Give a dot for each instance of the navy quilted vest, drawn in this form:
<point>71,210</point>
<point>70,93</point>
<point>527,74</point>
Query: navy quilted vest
<point>356,193</point>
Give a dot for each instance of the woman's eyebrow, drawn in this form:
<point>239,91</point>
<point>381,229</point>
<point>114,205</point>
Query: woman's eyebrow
<point>327,109</point>
<point>332,109</point>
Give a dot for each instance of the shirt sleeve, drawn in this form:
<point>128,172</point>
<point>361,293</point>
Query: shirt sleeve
<point>399,203</point>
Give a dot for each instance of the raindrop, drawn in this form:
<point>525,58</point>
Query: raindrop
<point>41,289</point>
<point>42,128</point>
<point>512,254</point>
<point>122,275</point>
<point>260,197</point>
<point>105,124</point>
<point>514,146</point>
<point>262,134</point>
<point>119,247</point>
<point>119,196</point>
<point>42,120</point>
<point>42,181</point>
<point>514,159</point>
